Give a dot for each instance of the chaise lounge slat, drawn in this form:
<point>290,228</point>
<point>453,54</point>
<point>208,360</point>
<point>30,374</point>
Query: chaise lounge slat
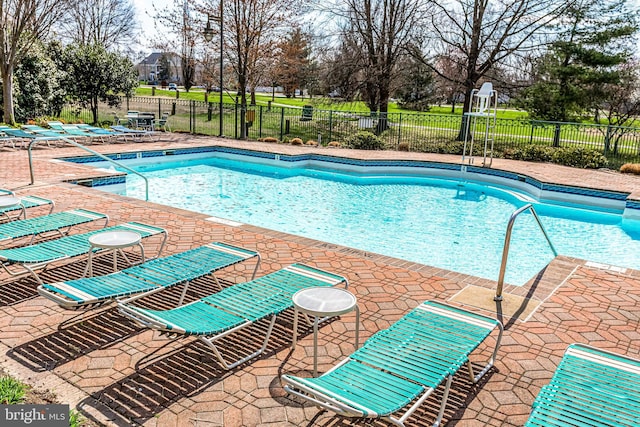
<point>29,259</point>
<point>401,365</point>
<point>590,387</point>
<point>213,317</point>
<point>55,222</point>
<point>151,276</point>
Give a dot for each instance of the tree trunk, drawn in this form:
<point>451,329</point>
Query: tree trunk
<point>94,109</point>
<point>465,108</point>
<point>7,95</point>
<point>243,115</point>
<point>383,120</point>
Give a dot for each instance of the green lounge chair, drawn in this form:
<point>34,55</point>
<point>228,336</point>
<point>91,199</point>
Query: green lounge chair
<point>590,388</point>
<point>97,130</point>
<point>22,135</point>
<point>29,259</point>
<point>400,367</point>
<point>214,317</point>
<point>58,223</point>
<point>26,201</point>
<point>149,277</point>
<point>38,130</point>
<point>135,133</point>
<point>72,131</point>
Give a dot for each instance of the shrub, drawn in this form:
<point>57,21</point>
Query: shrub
<point>364,140</point>
<point>531,153</point>
<point>403,146</point>
<point>441,147</point>
<point>633,168</point>
<point>296,141</point>
<point>579,157</point>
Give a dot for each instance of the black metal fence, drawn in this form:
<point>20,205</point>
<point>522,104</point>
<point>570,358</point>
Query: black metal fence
<point>414,132</point>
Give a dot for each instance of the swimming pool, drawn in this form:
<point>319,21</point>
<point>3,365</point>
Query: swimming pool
<point>447,222</point>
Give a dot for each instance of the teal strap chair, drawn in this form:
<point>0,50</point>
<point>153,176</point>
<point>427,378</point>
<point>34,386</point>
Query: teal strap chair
<point>234,308</point>
<point>590,388</point>
<point>26,201</point>
<point>397,369</point>
<point>58,223</point>
<point>31,259</point>
<point>149,277</point>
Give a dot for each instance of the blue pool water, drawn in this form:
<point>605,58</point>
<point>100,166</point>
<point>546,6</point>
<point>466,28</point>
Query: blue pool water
<point>446,223</point>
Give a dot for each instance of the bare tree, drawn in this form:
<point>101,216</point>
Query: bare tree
<point>183,26</point>
<point>622,104</point>
<point>449,86</point>
<point>22,23</point>
<point>110,23</point>
<point>251,28</point>
<point>483,33</point>
<point>378,32</point>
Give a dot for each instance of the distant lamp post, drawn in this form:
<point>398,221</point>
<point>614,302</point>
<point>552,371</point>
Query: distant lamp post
<point>208,34</point>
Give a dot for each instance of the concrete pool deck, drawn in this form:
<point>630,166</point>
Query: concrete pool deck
<point>119,374</point>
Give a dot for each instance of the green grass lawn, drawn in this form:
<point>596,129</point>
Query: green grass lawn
<point>320,103</point>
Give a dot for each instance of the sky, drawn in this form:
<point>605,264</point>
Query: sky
<point>145,10</point>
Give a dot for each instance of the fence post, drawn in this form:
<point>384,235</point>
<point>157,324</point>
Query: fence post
<point>260,124</point>
<point>159,107</point>
<point>556,136</point>
<point>607,140</point>
<point>236,121</point>
<point>191,117</point>
<point>281,123</point>
<point>533,126</point>
<point>330,126</point>
<point>399,130</point>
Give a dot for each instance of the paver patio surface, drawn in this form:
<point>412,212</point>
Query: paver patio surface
<point>119,374</point>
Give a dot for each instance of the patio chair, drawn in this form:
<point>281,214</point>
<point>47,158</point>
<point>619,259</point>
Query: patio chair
<point>162,123</point>
<point>214,317</point>
<point>30,259</point>
<point>26,201</point>
<point>400,367</point>
<point>590,387</point>
<point>149,277</point>
<point>59,223</point>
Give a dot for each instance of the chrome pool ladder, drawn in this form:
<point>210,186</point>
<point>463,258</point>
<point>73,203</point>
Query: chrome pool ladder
<point>507,241</point>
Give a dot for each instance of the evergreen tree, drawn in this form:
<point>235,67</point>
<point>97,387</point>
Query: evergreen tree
<point>293,68</point>
<point>37,85</point>
<point>416,85</point>
<point>95,75</point>
<point>595,40</point>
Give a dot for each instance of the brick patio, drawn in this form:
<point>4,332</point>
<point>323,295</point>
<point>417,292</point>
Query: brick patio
<point>119,374</point>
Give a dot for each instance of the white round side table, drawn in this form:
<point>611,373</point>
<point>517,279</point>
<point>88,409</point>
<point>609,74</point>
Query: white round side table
<point>114,241</point>
<point>323,302</point>
<point>11,202</point>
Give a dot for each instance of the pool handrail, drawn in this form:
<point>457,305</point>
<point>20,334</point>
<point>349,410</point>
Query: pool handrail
<point>95,153</point>
<point>507,241</point>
